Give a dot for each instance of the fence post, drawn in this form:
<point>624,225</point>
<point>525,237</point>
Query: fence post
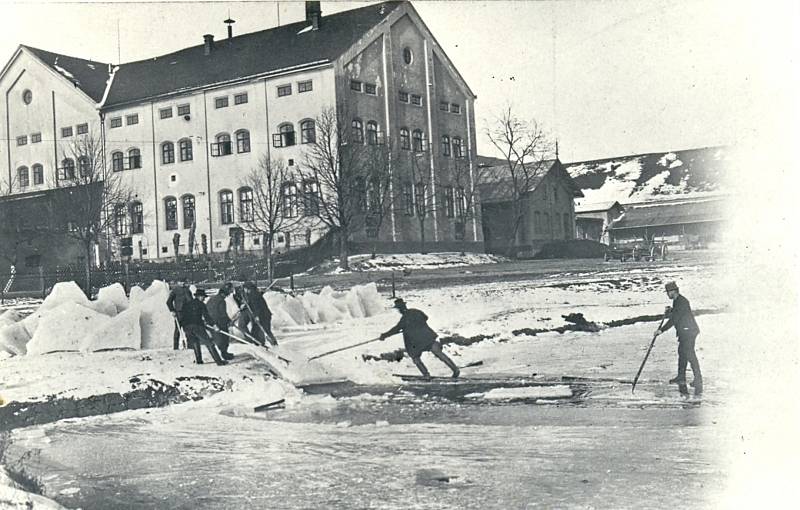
<point>393,295</point>
<point>127,270</point>
<point>291,281</point>
<point>41,282</point>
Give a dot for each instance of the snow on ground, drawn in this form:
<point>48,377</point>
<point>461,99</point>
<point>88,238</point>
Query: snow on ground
<point>409,261</point>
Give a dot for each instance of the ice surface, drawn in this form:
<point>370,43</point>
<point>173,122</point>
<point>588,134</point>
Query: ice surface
<point>529,392</point>
<point>64,328</point>
<point>122,331</point>
<point>64,292</point>
<point>114,293</point>
<point>136,295</point>
<point>13,338</point>
<point>9,317</point>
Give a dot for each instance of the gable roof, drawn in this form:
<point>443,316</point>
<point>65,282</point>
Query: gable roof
<point>670,213</point>
<point>90,77</point>
<point>257,53</point>
<point>496,185</point>
<point>596,206</point>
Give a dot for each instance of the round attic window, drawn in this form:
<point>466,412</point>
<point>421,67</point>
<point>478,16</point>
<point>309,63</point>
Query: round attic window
<point>27,96</point>
<point>408,57</point>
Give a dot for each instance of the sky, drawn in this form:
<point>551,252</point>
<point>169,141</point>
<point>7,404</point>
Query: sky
<point>604,77</point>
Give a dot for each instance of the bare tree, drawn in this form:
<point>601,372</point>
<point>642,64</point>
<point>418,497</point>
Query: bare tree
<point>89,197</point>
<point>341,159</point>
<point>465,182</point>
<point>268,218</point>
<point>525,148</point>
<point>423,186</point>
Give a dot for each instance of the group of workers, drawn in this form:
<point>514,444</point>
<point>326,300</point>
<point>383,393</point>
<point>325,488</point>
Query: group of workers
<point>207,323</point>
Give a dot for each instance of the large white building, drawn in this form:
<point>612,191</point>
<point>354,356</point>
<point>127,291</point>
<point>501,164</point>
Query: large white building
<point>183,129</point>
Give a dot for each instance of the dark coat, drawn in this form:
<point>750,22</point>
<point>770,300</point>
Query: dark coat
<point>682,318</point>
<point>418,337</point>
<point>218,310</point>
<point>178,297</point>
<point>194,313</point>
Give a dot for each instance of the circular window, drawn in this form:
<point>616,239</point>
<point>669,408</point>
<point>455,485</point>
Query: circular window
<point>407,55</point>
<point>27,96</point>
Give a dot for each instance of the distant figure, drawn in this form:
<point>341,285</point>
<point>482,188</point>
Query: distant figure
<point>258,314</point>
<point>194,318</point>
<point>681,316</point>
<point>178,297</point>
<point>218,310</point>
<point>418,337</point>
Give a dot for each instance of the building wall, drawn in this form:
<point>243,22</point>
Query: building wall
<point>588,227</point>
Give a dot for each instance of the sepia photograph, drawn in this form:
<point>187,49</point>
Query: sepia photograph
<point>453,254</point>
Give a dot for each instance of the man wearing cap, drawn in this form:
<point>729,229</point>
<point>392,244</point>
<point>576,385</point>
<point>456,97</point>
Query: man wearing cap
<point>194,318</point>
<point>680,315</point>
<point>218,310</point>
<point>418,337</point>
<point>178,296</point>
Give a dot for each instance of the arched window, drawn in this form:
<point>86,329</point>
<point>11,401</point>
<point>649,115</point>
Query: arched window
<point>186,149</point>
<point>357,131</point>
<point>23,179</point>
<point>68,167</point>
<point>458,150</point>
<point>38,174</point>
<point>285,135</point>
<point>171,213</point>
<point>84,167</point>
<point>289,199</point>
<point>246,213</point>
<point>137,218</point>
<point>372,133</point>
<point>310,197</point>
<point>308,132</point>
<point>187,203</point>
<point>461,202</point>
<point>120,220</point>
<point>242,141</point>
<point>226,206</point>
<point>134,159</point>
<point>418,140</point>
<point>446,145</point>
<point>405,139</point>
<point>167,153</point>
<point>222,146</point>
<point>117,161</point>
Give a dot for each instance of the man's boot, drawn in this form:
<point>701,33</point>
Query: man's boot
<point>215,354</point>
<point>677,380</point>
<point>683,389</point>
<point>198,355</point>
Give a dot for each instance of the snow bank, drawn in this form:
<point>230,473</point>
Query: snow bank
<point>156,321</point>
<point>64,328</point>
<point>326,307</point>
<point>122,331</point>
<point>114,294</point>
<point>13,339</point>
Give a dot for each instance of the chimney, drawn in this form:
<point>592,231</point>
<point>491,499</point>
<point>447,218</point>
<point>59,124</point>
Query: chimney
<point>313,14</point>
<point>208,39</point>
<point>230,23</point>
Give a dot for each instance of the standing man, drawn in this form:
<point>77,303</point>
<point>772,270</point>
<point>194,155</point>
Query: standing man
<point>194,318</point>
<point>259,315</point>
<point>178,297</point>
<point>418,337</point>
<point>218,310</point>
<point>680,315</point>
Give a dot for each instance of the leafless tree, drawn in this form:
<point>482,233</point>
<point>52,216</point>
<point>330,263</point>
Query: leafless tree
<point>342,159</point>
<point>423,186</point>
<point>267,181</point>
<point>88,195</point>
<point>525,148</point>
<point>466,182</point>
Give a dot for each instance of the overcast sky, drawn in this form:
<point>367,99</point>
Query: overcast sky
<point>606,77</point>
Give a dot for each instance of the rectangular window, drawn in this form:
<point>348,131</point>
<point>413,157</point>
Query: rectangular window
<point>444,106</point>
<point>165,113</point>
<point>184,109</point>
<point>455,108</point>
<point>66,132</point>
<point>371,89</point>
<point>402,96</point>
<point>416,100</point>
<point>116,122</point>
<point>131,119</point>
<point>449,209</point>
<point>284,90</point>
<point>221,102</point>
<point>240,98</point>
<point>310,198</point>
<point>36,137</point>
<point>355,85</point>
<point>38,174</point>
<point>305,86</point>
<point>408,199</point>
<point>82,129</point>
<point>22,140</point>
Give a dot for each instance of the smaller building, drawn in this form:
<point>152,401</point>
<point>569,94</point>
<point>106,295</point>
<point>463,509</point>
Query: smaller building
<point>592,220</point>
<point>691,223</point>
<point>519,219</point>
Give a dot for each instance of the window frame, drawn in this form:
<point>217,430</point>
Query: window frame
<point>311,197</point>
<point>180,109</point>
<point>121,224</point>
<point>356,85</point>
<point>68,168</point>
<point>221,102</point>
<point>357,130</point>
<point>137,217</point>
<point>66,132</point>
<point>305,130</point>
<point>455,108</point>
<point>416,100</point>
<point>405,139</point>
<point>285,137</point>
<point>115,122</point>
<point>165,113</point>
<point>36,137</point>
<point>134,158</point>
<point>226,207</point>
<point>82,129</point>
<point>221,146</point>
<point>170,213</point>
<point>117,161</point>
<point>242,141</point>
<point>371,89</point>
<point>458,147</point>
<point>188,218</point>
<point>446,146</point>
<point>23,177</point>
<point>37,172</point>
<point>22,140</point>
<point>418,141</point>
<point>289,199</point>
<point>240,98</point>
<point>185,148</point>
<point>132,119</point>
<point>167,153</point>
<point>246,204</point>
<point>284,90</point>
<point>373,133</point>
<point>305,86</point>
<point>403,96</point>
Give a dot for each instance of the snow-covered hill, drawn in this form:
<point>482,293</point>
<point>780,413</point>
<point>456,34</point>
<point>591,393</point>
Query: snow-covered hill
<point>647,177</point>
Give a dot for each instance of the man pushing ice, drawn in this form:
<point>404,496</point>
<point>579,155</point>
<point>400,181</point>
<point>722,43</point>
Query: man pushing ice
<point>418,337</point>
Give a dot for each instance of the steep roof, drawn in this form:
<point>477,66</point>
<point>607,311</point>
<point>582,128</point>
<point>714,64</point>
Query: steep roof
<point>670,213</point>
<point>496,185</point>
<point>644,177</point>
<point>246,55</point>
<point>596,206</point>
<point>88,76</point>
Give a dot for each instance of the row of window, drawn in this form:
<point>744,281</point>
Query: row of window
<point>23,140</point>
<point>24,176</point>
<point>367,88</point>
<point>414,200</point>
<point>302,86</point>
<point>183,109</point>
<point>450,107</point>
<point>405,97</point>
<point>66,132</point>
<point>543,225</point>
<point>130,120</point>
<point>67,170</point>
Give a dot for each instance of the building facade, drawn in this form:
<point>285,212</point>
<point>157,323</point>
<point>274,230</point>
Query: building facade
<point>184,130</point>
<point>592,221</point>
